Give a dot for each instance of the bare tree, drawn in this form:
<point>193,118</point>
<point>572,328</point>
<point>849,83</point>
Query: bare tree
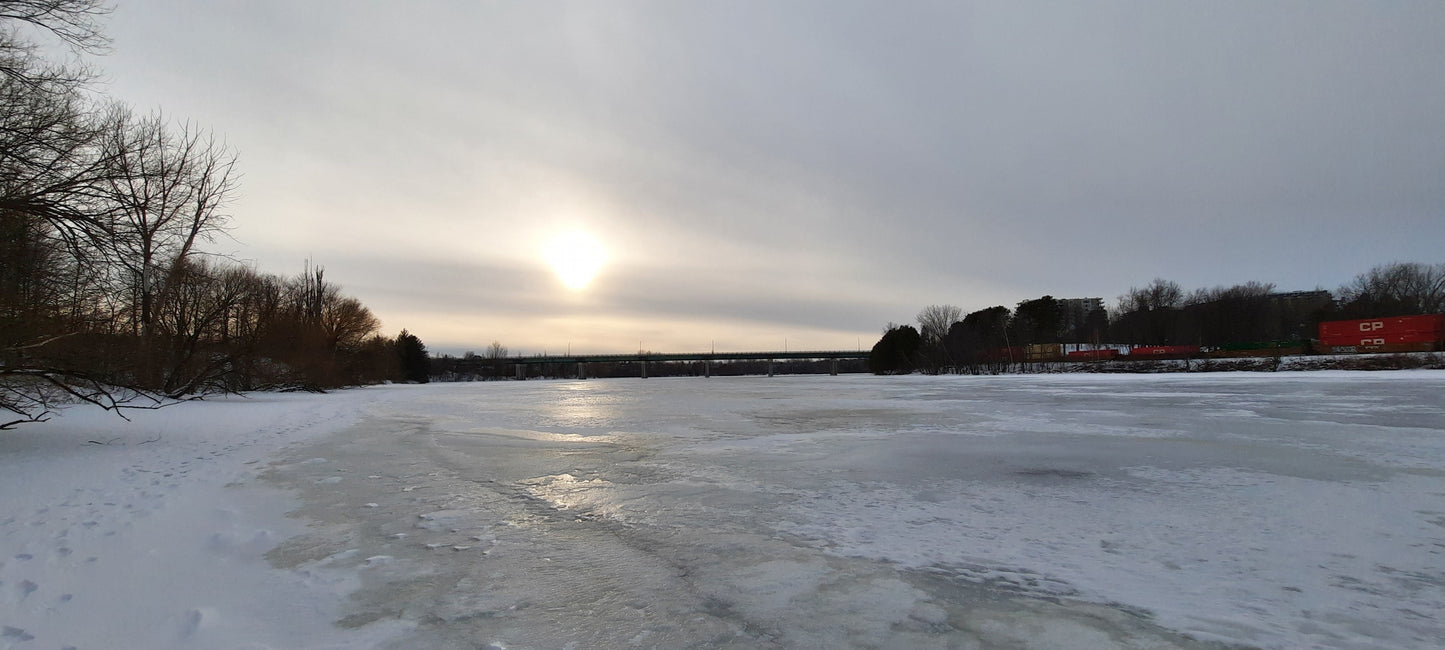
<point>496,354</point>
<point>48,161</point>
<point>52,168</point>
<point>346,322</point>
<point>194,320</point>
<point>934,321</point>
<point>33,394</point>
<point>169,187</point>
<point>75,22</point>
<point>1150,315</point>
<point>51,210</point>
<point>105,294</point>
<point>1157,295</point>
<point>1397,289</point>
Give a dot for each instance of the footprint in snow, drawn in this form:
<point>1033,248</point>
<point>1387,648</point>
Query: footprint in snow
<point>15,634</point>
<point>197,619</point>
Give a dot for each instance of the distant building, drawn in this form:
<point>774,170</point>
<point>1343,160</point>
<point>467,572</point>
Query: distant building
<point>1317,298</point>
<point>1298,312</point>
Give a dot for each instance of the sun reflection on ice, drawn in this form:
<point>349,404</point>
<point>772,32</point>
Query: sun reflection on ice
<point>586,407</point>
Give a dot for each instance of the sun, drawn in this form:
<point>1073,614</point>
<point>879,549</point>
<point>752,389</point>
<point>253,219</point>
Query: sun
<point>576,257</point>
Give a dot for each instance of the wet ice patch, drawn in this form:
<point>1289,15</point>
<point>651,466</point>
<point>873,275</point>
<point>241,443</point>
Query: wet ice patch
<point>446,520</point>
<point>334,558</point>
<point>1053,472</point>
<point>763,590</point>
<point>252,543</point>
<point>565,491</point>
<point>1229,413</point>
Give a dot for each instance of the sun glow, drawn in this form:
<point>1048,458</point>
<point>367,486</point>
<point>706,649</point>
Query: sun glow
<point>576,257</point>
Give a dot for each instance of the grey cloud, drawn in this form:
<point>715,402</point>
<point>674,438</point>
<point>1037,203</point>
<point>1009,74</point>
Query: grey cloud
<point>722,295</point>
<point>842,160</point>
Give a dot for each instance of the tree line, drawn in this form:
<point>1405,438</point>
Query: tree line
<point>1159,313</point>
<point>107,294</point>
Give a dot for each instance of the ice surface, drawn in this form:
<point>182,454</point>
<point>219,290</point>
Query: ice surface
<point>1276,510</point>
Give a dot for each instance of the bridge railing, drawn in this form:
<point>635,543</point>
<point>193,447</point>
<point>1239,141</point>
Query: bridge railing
<point>682,356</point>
<point>519,365</point>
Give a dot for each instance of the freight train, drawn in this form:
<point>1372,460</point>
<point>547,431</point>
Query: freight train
<point>1364,336</point>
<point>1398,334</point>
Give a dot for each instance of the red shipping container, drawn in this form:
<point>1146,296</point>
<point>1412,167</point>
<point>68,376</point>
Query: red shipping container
<point>1381,339</point>
<point>1346,330</point>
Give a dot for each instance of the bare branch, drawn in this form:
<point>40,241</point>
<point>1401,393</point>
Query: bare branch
<point>76,22</point>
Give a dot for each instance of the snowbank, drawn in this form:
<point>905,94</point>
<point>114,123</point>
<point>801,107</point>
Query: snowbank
<point>152,533</point>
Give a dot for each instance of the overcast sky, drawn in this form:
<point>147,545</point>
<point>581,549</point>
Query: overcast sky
<point>766,174</point>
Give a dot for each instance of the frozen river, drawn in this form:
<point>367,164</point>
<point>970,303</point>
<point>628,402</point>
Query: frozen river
<point>1071,511</point>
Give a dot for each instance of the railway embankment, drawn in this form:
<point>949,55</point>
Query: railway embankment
<point>1400,361</point>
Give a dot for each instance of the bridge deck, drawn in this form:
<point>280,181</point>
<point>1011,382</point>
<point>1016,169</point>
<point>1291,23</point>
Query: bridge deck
<point>678,356</point>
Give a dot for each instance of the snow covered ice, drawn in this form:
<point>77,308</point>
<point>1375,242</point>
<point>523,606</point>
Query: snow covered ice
<point>1140,511</point>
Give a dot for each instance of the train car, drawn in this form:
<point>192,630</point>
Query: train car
<point>1043,352</point>
<point>1259,349</point>
<point>1395,334</point>
<point>1092,355</point>
<point>1163,352</point>
<point>1383,348</point>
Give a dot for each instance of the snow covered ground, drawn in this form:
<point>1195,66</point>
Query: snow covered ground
<point>1257,509</point>
<point>151,533</point>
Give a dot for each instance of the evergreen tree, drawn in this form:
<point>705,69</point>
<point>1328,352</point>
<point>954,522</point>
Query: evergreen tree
<point>974,340</point>
<point>1037,321</point>
<point>411,352</point>
<point>896,352</point>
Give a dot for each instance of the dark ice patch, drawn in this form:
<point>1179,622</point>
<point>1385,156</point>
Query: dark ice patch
<point>1052,472</point>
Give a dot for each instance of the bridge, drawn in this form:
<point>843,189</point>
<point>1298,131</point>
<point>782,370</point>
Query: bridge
<point>644,358</point>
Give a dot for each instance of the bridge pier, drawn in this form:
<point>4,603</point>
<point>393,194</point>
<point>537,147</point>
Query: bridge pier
<point>833,368</point>
<point>582,369</point>
<point>644,368</point>
<point>770,367</point>
<point>521,372</point>
<point>706,369</point>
